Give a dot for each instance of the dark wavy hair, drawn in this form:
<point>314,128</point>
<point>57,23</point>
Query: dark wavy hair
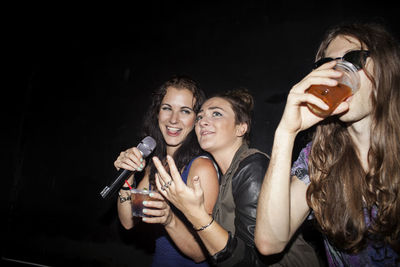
<point>340,190</point>
<point>242,104</point>
<point>190,147</point>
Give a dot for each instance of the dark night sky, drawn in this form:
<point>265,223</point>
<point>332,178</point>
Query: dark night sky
<point>82,77</point>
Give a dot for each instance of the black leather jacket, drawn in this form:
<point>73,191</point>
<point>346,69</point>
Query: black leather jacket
<point>236,211</point>
<point>236,208</point>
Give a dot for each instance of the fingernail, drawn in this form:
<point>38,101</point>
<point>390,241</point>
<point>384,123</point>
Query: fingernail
<point>141,166</point>
<point>144,219</point>
<point>141,159</point>
<point>139,169</point>
<point>151,195</point>
<point>144,202</point>
<point>144,210</point>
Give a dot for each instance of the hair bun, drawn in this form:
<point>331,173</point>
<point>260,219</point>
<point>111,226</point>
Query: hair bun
<point>243,96</point>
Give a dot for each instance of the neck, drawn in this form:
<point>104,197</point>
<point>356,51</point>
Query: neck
<point>171,150</point>
<point>360,134</point>
<point>224,156</point>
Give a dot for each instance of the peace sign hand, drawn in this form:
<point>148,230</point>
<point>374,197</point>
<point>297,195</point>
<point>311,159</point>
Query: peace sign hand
<point>186,199</point>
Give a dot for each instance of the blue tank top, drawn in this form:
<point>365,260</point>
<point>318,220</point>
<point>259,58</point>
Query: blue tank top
<point>166,254</point>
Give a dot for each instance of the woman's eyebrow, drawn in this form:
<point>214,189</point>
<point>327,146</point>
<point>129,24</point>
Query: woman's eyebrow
<point>216,107</point>
<point>183,107</point>
<point>211,108</point>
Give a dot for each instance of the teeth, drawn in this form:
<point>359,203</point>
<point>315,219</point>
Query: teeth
<point>171,129</point>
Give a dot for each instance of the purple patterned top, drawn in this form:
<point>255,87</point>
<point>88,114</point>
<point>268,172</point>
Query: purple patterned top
<point>372,255</point>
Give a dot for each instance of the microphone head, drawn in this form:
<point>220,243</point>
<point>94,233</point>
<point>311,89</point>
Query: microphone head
<point>147,146</point>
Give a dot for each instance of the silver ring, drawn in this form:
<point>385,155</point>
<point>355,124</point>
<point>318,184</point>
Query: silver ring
<point>169,182</point>
<point>163,187</point>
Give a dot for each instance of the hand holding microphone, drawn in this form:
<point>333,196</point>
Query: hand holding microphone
<point>128,162</point>
<point>130,159</point>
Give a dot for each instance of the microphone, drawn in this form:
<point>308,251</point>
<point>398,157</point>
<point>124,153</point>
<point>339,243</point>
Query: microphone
<point>146,146</point>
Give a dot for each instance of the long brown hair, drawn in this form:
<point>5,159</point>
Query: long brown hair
<point>190,147</point>
<point>341,193</point>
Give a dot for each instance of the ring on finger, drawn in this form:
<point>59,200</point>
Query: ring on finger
<point>169,182</point>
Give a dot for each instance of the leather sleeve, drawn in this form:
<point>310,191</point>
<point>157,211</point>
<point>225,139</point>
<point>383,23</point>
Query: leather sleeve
<point>240,249</point>
<point>246,185</point>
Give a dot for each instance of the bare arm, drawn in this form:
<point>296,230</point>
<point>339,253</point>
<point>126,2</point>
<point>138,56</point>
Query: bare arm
<point>207,173</point>
<point>282,205</point>
<point>125,208</point>
<point>191,202</point>
<point>130,159</point>
<point>182,235</point>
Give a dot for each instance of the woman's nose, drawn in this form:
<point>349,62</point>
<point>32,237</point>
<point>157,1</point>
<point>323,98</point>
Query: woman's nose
<point>203,121</point>
<point>174,117</point>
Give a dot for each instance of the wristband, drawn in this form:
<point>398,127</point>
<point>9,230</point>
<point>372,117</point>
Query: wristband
<point>203,227</point>
<point>123,199</point>
<point>129,187</point>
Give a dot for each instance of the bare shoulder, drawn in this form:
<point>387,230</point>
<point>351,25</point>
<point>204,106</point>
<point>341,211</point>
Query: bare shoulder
<point>205,169</point>
<point>202,165</point>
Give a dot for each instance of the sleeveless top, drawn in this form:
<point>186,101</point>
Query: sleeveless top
<point>166,253</point>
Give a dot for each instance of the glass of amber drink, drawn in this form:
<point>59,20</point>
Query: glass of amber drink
<point>333,95</point>
<point>137,198</point>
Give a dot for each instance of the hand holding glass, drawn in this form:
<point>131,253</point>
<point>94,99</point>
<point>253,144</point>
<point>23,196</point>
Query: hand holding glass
<point>333,95</point>
<point>137,198</point>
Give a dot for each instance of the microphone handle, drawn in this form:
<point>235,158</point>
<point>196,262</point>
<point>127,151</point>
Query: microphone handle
<point>122,176</point>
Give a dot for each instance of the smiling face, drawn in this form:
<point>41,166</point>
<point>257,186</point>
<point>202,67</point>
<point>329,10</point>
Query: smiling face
<point>360,104</point>
<point>216,128</point>
<point>176,117</point>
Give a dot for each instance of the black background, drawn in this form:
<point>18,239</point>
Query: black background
<point>81,78</point>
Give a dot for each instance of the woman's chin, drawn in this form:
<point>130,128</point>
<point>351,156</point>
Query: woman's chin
<point>206,146</point>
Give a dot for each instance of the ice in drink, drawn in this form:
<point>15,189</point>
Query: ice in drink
<point>137,198</point>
